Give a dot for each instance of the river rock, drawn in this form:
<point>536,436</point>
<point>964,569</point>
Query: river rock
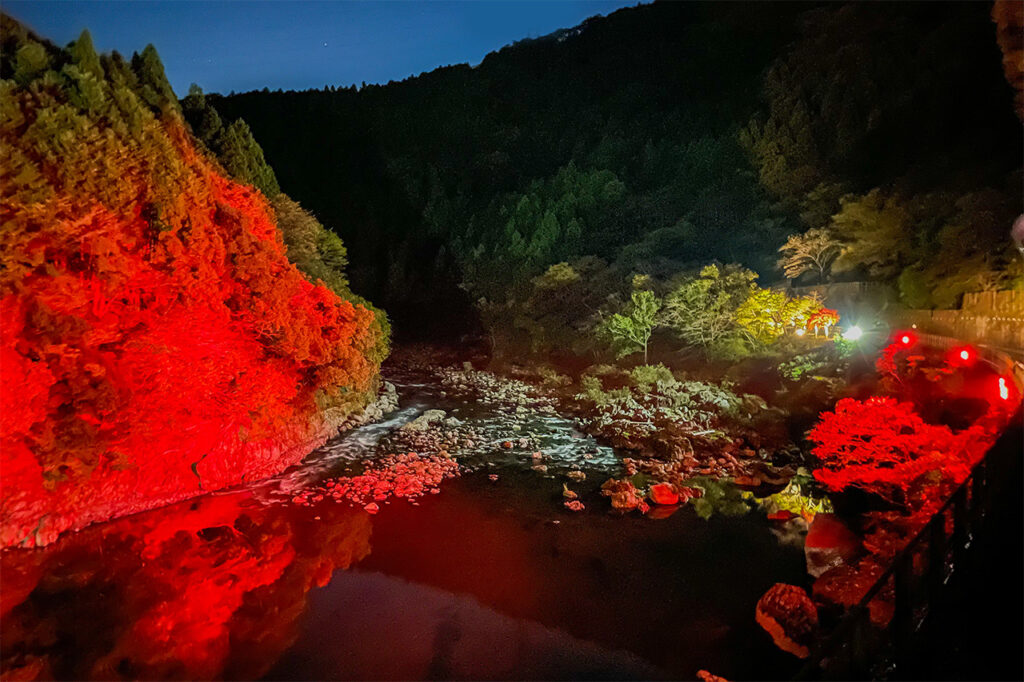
<point>663,493</point>
<point>789,616</point>
<point>829,543</point>
<point>423,422</point>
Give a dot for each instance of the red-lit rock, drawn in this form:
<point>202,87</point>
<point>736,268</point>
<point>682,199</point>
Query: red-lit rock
<point>846,585</point>
<point>405,476</point>
<point>663,493</point>
<point>624,495</point>
<point>789,616</point>
<point>829,543</point>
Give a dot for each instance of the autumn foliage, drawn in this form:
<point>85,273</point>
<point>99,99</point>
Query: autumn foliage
<point>824,318</point>
<point>156,342</point>
<point>880,443</point>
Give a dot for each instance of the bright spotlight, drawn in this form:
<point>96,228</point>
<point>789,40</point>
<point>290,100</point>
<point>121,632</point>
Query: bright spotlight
<point>905,339</point>
<point>1004,390</point>
<point>854,333</point>
<point>965,355</point>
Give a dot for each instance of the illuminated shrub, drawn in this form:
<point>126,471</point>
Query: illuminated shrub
<point>823,319</point>
<point>881,445</point>
<point>155,340</point>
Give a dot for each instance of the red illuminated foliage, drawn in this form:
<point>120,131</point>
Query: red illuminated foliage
<point>881,445</point>
<point>886,447</point>
<point>155,340</point>
<point>823,319</point>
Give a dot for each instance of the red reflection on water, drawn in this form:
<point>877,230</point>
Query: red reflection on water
<point>196,590</point>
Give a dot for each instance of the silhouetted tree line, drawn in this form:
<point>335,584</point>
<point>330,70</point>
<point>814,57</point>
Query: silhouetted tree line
<point>664,137</point>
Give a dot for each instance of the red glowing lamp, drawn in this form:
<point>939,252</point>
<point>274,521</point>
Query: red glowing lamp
<point>1004,389</point>
<point>906,338</point>
<point>962,356</point>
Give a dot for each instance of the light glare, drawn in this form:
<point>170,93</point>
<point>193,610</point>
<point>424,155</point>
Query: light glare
<point>854,333</point>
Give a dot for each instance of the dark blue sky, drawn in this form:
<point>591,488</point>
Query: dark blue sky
<point>240,46</point>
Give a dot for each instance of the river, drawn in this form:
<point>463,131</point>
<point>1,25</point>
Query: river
<point>492,578</point>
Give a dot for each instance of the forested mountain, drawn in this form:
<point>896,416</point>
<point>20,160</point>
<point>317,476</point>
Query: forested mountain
<point>664,136</point>
<point>156,342</point>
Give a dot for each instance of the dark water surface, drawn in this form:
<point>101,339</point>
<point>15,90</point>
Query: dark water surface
<point>487,580</point>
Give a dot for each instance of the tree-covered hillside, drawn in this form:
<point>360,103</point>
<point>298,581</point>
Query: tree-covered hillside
<point>664,137</point>
<point>156,341</point>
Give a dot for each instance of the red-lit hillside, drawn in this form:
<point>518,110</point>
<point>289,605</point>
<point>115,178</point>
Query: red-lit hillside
<point>156,341</point>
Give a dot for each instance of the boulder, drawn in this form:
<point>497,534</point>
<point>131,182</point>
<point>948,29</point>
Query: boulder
<point>623,494</point>
<point>664,494</point>
<point>829,544</point>
<point>424,421</point>
<point>790,617</point>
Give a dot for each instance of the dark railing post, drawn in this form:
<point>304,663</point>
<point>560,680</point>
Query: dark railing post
<point>979,497</point>
<point>938,553</point>
<point>961,539</point>
<point>903,611</point>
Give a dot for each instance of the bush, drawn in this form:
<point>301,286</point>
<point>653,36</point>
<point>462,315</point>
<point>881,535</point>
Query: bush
<point>552,379</point>
<point>645,377</point>
<point>882,446</point>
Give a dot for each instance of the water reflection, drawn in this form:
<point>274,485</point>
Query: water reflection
<point>490,580</point>
<point>433,634</point>
<point>204,589</point>
<point>493,578</point>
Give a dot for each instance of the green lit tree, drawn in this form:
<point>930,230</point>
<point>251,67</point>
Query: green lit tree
<point>877,235</point>
<point>702,310</point>
<point>631,332</point>
<point>242,156</point>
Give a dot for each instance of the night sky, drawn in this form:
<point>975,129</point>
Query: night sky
<point>225,46</point>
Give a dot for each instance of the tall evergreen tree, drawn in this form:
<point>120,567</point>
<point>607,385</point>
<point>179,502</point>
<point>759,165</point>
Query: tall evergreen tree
<point>154,88</point>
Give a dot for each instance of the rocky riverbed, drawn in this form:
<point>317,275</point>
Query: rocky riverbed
<point>587,444</point>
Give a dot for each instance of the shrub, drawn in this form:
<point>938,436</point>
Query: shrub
<point>644,377</point>
<point>882,446</point>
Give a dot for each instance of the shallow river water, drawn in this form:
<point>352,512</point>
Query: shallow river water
<point>490,579</point>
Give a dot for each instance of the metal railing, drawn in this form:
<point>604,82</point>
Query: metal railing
<point>920,573</point>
